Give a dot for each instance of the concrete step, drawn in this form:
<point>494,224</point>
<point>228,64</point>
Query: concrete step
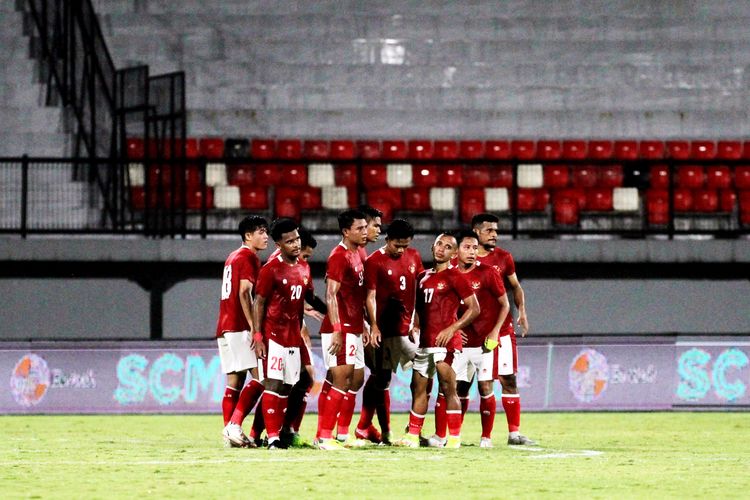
<point>40,144</point>
<point>31,119</point>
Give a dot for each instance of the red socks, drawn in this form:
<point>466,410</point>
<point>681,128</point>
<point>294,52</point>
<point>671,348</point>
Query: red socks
<point>487,406</point>
<point>454,422</point>
<point>274,407</point>
<point>441,417</point>
<point>248,397</point>
<point>329,411</point>
<point>228,404</point>
<point>346,412</point>
<point>368,404</point>
<point>415,423</point>
<point>512,407</point>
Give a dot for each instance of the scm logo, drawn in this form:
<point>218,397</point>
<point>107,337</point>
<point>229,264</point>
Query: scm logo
<point>697,375</point>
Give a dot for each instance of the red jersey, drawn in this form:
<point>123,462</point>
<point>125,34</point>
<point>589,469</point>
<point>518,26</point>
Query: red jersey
<point>438,298</point>
<point>242,264</point>
<point>502,261</point>
<point>284,287</point>
<point>301,262</point>
<point>347,268</point>
<point>394,280</point>
<point>487,286</point>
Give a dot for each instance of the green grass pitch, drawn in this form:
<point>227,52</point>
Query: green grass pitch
<point>581,455</point>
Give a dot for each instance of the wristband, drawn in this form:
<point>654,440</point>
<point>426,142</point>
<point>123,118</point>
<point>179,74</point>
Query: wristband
<point>337,327</point>
<point>258,337</point>
<point>490,344</point>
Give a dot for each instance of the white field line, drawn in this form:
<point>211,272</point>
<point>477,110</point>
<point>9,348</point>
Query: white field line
<point>315,457</point>
<point>536,452</point>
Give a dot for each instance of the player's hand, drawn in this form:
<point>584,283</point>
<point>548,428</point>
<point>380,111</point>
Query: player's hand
<point>249,340</point>
<point>375,336</point>
<point>523,324</point>
<point>310,311</point>
<point>260,350</point>
<point>444,337</point>
<point>464,337</point>
<point>414,335</point>
<point>491,342</point>
<point>366,337</point>
<point>335,343</point>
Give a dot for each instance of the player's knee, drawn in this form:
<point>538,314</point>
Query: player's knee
<point>462,388</point>
<point>485,388</point>
<point>508,382</point>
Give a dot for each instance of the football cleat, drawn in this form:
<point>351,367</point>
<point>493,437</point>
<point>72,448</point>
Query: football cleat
<point>329,445</point>
<point>453,442</point>
<point>298,441</point>
<point>237,439</point>
<point>370,434</point>
<point>520,440</point>
<point>436,441</point>
<point>408,441</point>
<point>385,439</point>
<point>485,443</point>
<point>277,444</point>
<point>355,442</point>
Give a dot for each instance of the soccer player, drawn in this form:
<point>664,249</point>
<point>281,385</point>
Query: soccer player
<point>485,225</point>
<point>283,285</point>
<point>479,354</point>
<point>342,330</point>
<point>235,327</point>
<point>390,277</point>
<point>440,291</point>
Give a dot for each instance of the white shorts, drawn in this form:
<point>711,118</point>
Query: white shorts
<point>427,358</point>
<point>507,355</point>
<point>472,360</point>
<point>235,353</point>
<point>352,353</point>
<point>281,363</point>
<point>398,351</point>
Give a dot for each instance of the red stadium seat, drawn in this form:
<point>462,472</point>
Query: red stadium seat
<point>240,175</point>
<point>138,197</point>
<point>611,176</point>
<point>575,194</point>
<point>746,149</point>
<point>211,147</point>
<point>659,175</point>
<point>310,199</point>
<point>744,207</point>
<point>191,147</point>
<point>626,150</point>
<point>574,150</point>
<point>599,199</point>
<point>386,196</point>
<point>532,200</point>
<point>345,175</point>
<point>471,149</point>
<point>565,211</point>
<point>134,148</point>
<point>368,149</point>
<point>718,177</point>
<point>287,203</point>
<point>253,198</point>
<point>702,150</point>
<point>585,176</point>
<point>603,149</point>
<point>477,176</point>
<point>657,207</point>
<point>472,203</point>
<point>556,176</point>
<point>418,149</point>
<point>742,177</point>
<point>342,150</point>
<point>267,175</point>
<point>497,150</point>
<point>729,150</point>
<point>394,149</point>
<point>417,199</point>
<point>690,176</point>
<point>501,176</point>
<point>548,150</point>
<point>289,149</point>
<point>192,176</point>
<point>374,176</point>
<point>195,198</point>
<point>652,150</point>
<point>727,200</point>
<point>317,150</point>
<point>425,175</point>
<point>263,148</point>
<point>446,150</point>
<point>160,174</point>
<point>451,175</point>
<point>679,150</point>
<point>705,200</point>
<point>683,200</point>
<point>523,150</point>
<point>294,175</point>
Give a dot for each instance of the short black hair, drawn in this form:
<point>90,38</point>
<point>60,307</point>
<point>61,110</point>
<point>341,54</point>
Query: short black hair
<point>462,234</point>
<point>370,212</point>
<point>480,219</point>
<point>281,226</point>
<point>250,224</point>
<point>307,239</point>
<point>347,218</point>
<point>399,229</point>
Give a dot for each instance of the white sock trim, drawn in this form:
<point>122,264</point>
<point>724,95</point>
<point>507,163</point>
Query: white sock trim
<point>338,390</point>
<point>416,414</point>
<point>511,395</point>
<point>487,396</point>
<point>453,411</point>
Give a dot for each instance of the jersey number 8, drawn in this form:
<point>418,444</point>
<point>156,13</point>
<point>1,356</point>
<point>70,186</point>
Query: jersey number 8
<point>226,283</point>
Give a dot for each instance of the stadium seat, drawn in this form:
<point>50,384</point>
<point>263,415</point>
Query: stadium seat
<point>651,150</point>
<point>678,150</point>
<point>522,150</point>
<point>310,199</point>
<point>211,148</point>
<point>548,150</point>
<point>216,174</point>
<point>393,197</point>
<point>321,174</point>
<point>744,207</point>
<point>374,176</point>
<point>501,176</point>
<point>159,175</point>
<point>532,200</point>
<point>289,149</point>
<point>718,177</point>
<point>477,176</point>
<point>585,176</point>
<point>625,150</point>
<point>727,200</point>
<point>657,207</point>
<point>497,199</point>
<point>702,150</point>
<point>343,150</point>
<point>530,175</point>
<point>746,149</point>
<point>134,148</point>
<point>345,175</point>
<point>574,150</point>
<point>565,211</point>
<point>419,149</point>
<point>192,176</point>
<point>253,198</point>
<point>742,177</point>
<point>705,200</point>
<point>472,203</point>
<point>395,150</point>
<point>575,194</point>
<point>417,199</point>
<point>471,149</point>
<point>267,175</point>
<point>138,198</point>
<point>316,150</point>
<point>240,175</point>
<point>600,150</point>
<point>191,147</point>
<point>401,175</point>
<point>335,198</point>
<point>137,174</point>
<point>690,176</point>
<point>729,150</point>
<point>451,175</point>
<point>497,150</point>
<point>426,175</point>
<point>611,176</point>
<point>442,199</point>
<point>599,200</point>
<point>294,175</point>
<point>263,148</point>
<point>659,176</point>
<point>446,150</point>
<point>194,199</point>
<point>286,207</point>
<point>555,176</point>
<point>368,149</point>
<point>235,148</point>
<point>683,200</point>
<point>286,194</point>
<point>227,197</point>
<point>625,199</point>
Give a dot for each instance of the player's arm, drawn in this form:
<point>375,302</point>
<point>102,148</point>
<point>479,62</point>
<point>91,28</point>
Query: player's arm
<point>332,289</point>
<point>520,300</point>
<point>246,302</point>
<point>469,315</point>
<point>314,305</point>
<point>372,311</point>
<point>490,342</point>
<point>259,311</point>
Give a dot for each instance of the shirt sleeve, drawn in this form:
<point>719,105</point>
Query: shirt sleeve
<point>336,267</point>
<point>461,285</point>
<point>510,265</point>
<point>371,273</point>
<point>264,286</point>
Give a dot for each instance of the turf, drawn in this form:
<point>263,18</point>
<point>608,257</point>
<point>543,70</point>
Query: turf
<point>592,455</point>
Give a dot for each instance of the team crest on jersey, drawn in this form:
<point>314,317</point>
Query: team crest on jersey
<point>304,280</point>
<point>412,268</point>
<point>497,268</point>
<point>441,285</point>
<point>475,285</point>
<point>284,281</point>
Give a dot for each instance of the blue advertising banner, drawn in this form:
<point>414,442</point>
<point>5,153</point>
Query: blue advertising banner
<point>712,374</point>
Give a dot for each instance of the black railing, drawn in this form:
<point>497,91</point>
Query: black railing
<point>170,197</point>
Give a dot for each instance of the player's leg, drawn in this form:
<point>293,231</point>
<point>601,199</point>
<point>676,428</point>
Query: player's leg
<point>297,406</point>
<point>487,373</point>
<point>511,399</point>
<point>236,359</point>
<point>365,429</point>
<point>464,375</point>
<point>355,356</point>
<point>282,367</point>
<point>447,381</point>
<point>235,381</point>
<point>253,388</point>
<point>424,370</point>
<point>341,377</point>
